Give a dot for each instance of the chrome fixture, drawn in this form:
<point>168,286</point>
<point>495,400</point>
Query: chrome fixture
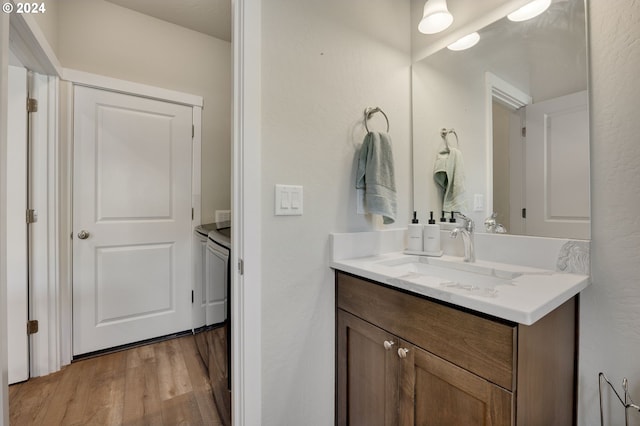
<point>467,237</point>
<point>492,226</point>
<point>369,111</point>
<point>435,17</point>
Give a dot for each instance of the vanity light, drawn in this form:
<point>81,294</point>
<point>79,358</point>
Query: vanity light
<point>435,17</point>
<point>465,42</point>
<point>529,10</point>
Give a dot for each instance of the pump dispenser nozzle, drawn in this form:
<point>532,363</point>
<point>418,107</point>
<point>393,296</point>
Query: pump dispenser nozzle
<point>431,219</point>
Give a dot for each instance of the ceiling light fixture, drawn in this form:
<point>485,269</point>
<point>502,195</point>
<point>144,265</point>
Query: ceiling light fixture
<point>529,10</point>
<point>435,17</point>
<point>465,42</point>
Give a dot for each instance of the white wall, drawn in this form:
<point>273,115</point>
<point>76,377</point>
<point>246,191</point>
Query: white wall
<point>48,22</point>
<point>323,62</point>
<point>610,307</point>
<point>102,38</point>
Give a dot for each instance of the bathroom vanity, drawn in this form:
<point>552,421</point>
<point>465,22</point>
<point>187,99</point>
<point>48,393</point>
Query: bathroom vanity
<point>403,359</point>
<point>418,344</point>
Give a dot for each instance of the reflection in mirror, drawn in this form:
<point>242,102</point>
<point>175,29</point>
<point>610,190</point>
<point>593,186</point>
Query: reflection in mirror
<point>518,102</point>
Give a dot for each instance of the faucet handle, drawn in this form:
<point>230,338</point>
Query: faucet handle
<point>469,222</point>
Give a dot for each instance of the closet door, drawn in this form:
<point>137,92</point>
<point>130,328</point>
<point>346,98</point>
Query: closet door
<point>17,250</point>
<point>131,219</point>
<point>557,168</point>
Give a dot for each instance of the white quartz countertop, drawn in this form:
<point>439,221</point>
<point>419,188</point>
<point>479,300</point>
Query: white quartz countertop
<point>515,293</point>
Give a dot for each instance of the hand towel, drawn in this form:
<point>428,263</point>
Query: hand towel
<point>376,177</point>
<point>448,173</point>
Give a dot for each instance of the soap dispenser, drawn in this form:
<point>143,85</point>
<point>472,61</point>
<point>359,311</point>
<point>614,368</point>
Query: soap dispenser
<point>415,235</point>
<point>431,238</point>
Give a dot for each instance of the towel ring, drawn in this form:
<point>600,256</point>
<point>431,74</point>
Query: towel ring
<point>368,112</point>
<point>444,133</point>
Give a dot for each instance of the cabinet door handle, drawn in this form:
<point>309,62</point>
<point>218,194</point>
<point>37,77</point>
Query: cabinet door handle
<point>402,352</point>
<point>388,344</point>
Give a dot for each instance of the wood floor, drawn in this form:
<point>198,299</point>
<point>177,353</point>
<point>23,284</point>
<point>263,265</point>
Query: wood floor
<point>164,383</point>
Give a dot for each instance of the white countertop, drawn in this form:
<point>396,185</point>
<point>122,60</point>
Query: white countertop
<point>520,294</point>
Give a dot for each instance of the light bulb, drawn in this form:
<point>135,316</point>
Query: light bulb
<point>465,42</point>
<point>435,17</point>
<point>529,10</point>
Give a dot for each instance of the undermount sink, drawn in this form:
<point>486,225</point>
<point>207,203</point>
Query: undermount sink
<point>423,264</point>
<point>452,273</point>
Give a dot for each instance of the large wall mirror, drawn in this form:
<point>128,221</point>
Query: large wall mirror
<point>518,103</point>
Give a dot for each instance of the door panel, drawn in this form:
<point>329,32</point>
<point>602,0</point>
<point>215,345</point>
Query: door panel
<point>17,266</point>
<point>367,374</point>
<point>132,195</point>
<point>557,167</point>
<point>436,392</point>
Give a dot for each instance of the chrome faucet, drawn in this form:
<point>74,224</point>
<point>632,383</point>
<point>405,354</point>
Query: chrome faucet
<point>467,237</point>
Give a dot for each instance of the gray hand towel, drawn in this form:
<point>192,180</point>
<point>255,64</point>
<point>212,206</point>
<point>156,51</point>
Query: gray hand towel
<point>448,172</point>
<point>376,177</point>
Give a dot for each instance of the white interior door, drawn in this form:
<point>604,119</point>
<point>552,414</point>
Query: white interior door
<point>131,219</point>
<point>557,167</point>
<point>17,254</point>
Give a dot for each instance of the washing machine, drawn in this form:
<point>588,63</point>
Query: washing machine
<point>212,248</point>
<point>217,278</point>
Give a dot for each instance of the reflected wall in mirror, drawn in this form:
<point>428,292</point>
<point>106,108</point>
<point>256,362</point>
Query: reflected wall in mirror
<point>518,102</point>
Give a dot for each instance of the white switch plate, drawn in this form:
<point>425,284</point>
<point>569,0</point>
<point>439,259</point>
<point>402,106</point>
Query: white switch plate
<point>288,200</point>
<point>478,202</point>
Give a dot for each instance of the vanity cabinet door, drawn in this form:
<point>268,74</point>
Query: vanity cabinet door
<point>367,391</point>
<point>434,392</point>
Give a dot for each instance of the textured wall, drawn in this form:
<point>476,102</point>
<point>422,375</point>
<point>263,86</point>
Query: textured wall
<point>323,62</point>
<point>610,308</point>
<point>102,38</point>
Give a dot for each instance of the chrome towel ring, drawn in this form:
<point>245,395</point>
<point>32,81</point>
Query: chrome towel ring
<point>369,111</point>
<point>444,133</point>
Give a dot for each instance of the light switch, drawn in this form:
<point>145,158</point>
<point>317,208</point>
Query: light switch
<point>478,202</point>
<point>288,200</point>
<point>284,200</point>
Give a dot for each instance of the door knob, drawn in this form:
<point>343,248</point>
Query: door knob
<point>402,352</point>
<point>388,344</point>
<point>83,235</point>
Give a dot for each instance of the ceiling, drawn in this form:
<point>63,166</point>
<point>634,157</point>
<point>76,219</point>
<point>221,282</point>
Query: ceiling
<point>211,17</point>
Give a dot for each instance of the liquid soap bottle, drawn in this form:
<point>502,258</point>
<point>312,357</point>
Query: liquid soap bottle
<point>431,237</point>
<point>415,235</point>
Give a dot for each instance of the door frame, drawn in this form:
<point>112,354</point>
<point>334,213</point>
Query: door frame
<point>246,201</point>
<point>513,98</point>
<point>246,190</point>
<point>70,79</point>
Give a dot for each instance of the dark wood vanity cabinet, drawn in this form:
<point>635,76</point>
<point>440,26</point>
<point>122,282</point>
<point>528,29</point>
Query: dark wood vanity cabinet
<point>408,360</point>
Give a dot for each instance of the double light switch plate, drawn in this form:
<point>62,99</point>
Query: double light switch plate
<point>288,200</point>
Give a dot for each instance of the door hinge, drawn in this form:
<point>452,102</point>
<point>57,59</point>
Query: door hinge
<point>524,213</point>
<point>32,216</point>
<point>241,266</point>
<point>193,131</point>
<point>192,213</point>
<point>192,296</point>
<point>524,132</point>
<point>32,327</point>
<point>32,105</point>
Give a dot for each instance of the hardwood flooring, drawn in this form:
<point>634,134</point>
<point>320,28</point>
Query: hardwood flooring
<point>164,383</point>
